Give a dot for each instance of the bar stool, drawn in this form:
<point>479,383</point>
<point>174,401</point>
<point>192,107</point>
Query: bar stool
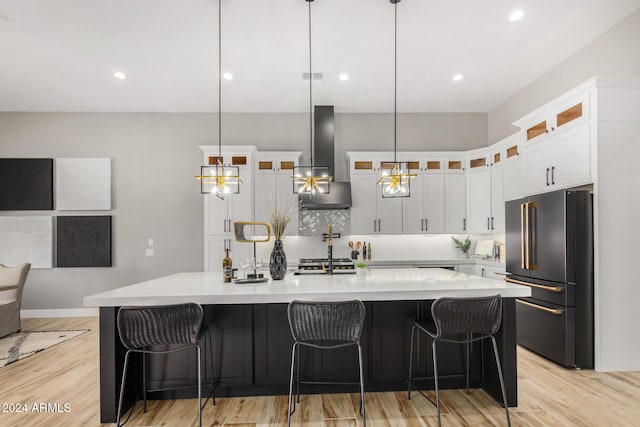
<point>313,323</point>
<point>143,327</point>
<point>476,318</point>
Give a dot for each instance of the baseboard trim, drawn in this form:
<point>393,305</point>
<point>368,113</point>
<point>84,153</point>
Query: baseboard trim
<point>60,312</point>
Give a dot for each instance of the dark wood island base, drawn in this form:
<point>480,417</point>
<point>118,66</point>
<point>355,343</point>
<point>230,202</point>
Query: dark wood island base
<point>251,351</point>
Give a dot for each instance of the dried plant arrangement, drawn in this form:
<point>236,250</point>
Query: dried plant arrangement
<point>280,218</point>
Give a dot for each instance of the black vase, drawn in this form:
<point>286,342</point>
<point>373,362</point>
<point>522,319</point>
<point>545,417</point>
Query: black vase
<point>278,262</point>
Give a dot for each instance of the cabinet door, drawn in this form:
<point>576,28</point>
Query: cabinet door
<point>433,203</point>
<point>512,179</point>
<point>412,212</point>
<point>496,273</point>
<point>389,213</point>
<point>215,215</point>
<point>536,168</point>
<point>287,199</point>
<point>479,201</point>
<point>266,195</point>
<point>455,220</point>
<point>240,206</point>
<point>363,203</point>
<point>497,199</point>
<point>571,157</point>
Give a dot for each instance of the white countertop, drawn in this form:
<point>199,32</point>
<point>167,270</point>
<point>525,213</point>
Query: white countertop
<point>377,285</point>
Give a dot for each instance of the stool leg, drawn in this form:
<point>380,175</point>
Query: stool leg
<point>213,378</point>
<point>362,405</point>
<point>144,382</point>
<point>298,374</point>
<point>413,331</point>
<point>199,388</point>
<point>291,402</point>
<point>504,393</point>
<point>435,379</point>
<point>124,379</point>
<point>468,344</point>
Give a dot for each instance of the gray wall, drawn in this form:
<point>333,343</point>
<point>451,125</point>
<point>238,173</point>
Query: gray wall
<point>155,157</point>
<point>615,53</point>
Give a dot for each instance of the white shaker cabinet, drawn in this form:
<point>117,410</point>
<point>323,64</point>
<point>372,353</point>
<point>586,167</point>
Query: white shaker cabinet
<point>370,212</point>
<point>478,192</point>
<point>455,205</point>
<point>423,212</point>
<point>274,187</point>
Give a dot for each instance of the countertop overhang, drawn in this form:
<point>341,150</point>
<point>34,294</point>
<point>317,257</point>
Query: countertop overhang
<point>376,285</point>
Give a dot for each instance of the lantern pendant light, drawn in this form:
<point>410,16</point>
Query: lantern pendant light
<point>311,179</point>
<point>396,176</point>
<point>219,179</point>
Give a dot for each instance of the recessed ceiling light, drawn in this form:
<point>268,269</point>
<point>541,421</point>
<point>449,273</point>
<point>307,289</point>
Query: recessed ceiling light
<point>516,15</point>
<point>343,77</point>
<point>227,76</point>
<point>120,75</point>
<point>458,77</point>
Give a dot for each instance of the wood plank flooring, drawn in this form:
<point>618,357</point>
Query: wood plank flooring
<point>549,395</point>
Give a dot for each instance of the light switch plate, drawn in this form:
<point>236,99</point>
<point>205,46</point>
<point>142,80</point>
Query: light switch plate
<point>149,252</point>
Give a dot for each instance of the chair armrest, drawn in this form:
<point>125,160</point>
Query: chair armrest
<point>8,287</point>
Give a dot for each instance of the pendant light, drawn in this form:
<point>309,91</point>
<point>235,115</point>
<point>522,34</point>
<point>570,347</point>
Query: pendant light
<point>311,179</point>
<point>217,178</point>
<point>396,176</point>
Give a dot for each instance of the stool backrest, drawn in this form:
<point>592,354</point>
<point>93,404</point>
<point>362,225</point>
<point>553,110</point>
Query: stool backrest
<point>331,321</point>
<point>159,325</point>
<point>482,315</point>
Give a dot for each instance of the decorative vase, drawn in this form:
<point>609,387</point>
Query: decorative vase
<point>278,262</point>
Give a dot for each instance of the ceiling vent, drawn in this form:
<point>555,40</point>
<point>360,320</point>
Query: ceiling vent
<point>316,76</point>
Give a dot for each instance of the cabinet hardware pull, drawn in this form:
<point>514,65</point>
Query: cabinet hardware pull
<point>464,224</point>
<point>492,223</point>
<point>547,176</point>
<point>546,131</point>
<point>522,263</point>
<point>553,175</point>
<point>539,307</point>
<point>552,128</point>
<point>374,225</point>
<point>422,225</point>
<point>557,289</point>
<point>426,225</point>
<point>224,223</point>
<point>488,223</point>
<point>379,225</point>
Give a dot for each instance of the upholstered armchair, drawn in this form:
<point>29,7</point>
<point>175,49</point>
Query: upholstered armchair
<point>11,284</point>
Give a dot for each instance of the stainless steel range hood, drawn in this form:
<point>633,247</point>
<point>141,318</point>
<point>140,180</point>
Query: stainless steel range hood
<point>339,196</point>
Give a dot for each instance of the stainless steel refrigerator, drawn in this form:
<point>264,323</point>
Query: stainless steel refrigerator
<point>549,243</point>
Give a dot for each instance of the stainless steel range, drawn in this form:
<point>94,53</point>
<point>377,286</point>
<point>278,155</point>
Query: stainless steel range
<point>321,265</point>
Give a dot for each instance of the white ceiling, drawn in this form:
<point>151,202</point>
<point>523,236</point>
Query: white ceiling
<point>60,55</point>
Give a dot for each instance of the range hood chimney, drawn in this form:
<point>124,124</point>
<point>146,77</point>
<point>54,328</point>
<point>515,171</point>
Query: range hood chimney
<point>339,196</point>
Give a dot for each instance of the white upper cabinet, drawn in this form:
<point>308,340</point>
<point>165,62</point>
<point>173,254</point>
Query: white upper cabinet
<point>423,212</point>
<point>370,213</point>
<point>556,144</point>
<point>455,204</point>
<point>478,191</point>
<point>273,185</point>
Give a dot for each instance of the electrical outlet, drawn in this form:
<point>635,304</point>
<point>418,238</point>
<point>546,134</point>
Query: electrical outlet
<point>149,252</point>
<point>150,242</point>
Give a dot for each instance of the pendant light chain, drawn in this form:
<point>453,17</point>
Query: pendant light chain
<point>219,79</point>
<point>310,93</point>
<point>395,82</point>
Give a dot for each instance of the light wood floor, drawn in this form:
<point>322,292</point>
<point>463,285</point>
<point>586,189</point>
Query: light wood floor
<point>548,396</point>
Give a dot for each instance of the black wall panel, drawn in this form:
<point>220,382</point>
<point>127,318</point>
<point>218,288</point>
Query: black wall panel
<point>26,184</point>
<point>83,241</point>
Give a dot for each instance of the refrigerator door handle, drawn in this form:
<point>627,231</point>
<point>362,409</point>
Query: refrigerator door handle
<point>539,307</point>
<point>535,285</point>
<point>532,249</point>
<point>522,229</point>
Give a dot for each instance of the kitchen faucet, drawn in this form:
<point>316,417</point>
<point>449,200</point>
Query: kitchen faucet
<point>330,235</point>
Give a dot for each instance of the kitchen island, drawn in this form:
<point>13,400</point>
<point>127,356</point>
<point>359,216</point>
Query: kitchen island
<point>252,342</point>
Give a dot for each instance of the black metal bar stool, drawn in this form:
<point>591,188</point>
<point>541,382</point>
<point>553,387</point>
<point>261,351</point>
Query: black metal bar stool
<point>476,318</point>
<point>312,324</point>
<point>142,327</point>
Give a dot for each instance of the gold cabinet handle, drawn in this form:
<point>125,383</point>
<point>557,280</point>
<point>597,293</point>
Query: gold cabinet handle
<point>539,307</point>
<point>535,285</point>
